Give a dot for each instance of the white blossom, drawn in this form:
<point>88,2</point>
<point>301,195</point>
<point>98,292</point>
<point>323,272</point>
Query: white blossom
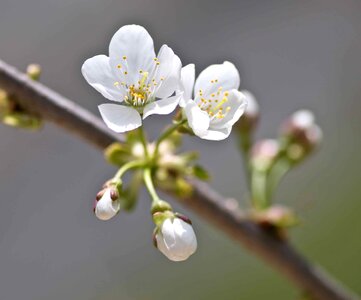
<point>176,239</point>
<point>215,105</point>
<point>140,82</point>
<point>106,207</point>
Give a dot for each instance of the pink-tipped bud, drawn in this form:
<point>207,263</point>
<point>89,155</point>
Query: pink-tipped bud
<point>264,153</point>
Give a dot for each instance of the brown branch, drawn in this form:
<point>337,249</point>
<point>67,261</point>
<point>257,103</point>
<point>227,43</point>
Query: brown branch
<point>223,213</point>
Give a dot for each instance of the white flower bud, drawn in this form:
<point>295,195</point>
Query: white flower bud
<point>300,128</point>
<point>252,109</point>
<point>108,205</point>
<point>248,122</point>
<point>303,119</point>
<point>33,71</point>
<point>176,239</point>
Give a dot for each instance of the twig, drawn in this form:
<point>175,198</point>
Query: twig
<point>223,213</point>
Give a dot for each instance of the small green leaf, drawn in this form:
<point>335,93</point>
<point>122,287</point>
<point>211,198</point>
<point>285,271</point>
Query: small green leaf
<point>200,172</point>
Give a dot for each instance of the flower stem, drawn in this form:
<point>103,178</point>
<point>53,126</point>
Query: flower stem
<point>144,142</point>
<point>149,184</point>
<point>245,143</point>
<point>130,165</point>
<point>166,134</point>
<point>259,189</point>
<point>277,172</point>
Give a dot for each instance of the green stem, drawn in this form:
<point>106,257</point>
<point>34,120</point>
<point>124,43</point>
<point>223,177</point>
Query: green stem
<point>245,143</point>
<point>149,184</point>
<point>130,165</point>
<point>166,134</point>
<point>143,139</point>
<point>259,189</point>
<point>277,172</point>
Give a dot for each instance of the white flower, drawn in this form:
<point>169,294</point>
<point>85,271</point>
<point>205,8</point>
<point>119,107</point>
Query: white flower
<point>216,104</point>
<point>133,76</point>
<point>176,239</point>
<point>107,206</point>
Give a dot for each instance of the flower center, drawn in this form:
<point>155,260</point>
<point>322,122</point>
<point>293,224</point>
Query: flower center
<point>214,103</point>
<point>141,92</point>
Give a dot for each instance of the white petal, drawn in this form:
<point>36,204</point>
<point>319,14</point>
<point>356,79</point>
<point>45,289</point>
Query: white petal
<point>106,208</point>
<point>169,69</point>
<point>186,241</point>
<point>188,74</point>
<point>171,255</point>
<point>237,103</point>
<point>120,118</point>
<point>135,43</point>
<point>161,245</point>
<point>224,75</point>
<point>168,233</point>
<point>198,119</point>
<point>161,107</point>
<point>217,134</point>
<point>97,73</point>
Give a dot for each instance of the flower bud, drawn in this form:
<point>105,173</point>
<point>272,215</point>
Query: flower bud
<point>249,120</point>
<point>33,71</point>
<point>5,105</point>
<point>302,134</point>
<point>22,120</point>
<point>107,204</point>
<point>276,215</point>
<point>264,153</point>
<point>175,238</point>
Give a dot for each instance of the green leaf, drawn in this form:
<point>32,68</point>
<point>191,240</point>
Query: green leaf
<point>200,172</point>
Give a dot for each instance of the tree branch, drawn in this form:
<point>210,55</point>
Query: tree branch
<point>223,213</point>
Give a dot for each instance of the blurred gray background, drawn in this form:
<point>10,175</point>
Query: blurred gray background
<point>291,54</point>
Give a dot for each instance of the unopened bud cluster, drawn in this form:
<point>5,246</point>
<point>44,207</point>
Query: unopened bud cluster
<point>269,160</point>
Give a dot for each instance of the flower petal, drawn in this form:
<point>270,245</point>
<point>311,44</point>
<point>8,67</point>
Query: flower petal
<point>212,78</point>
<point>161,107</point>
<point>188,74</point>
<point>216,134</point>
<point>198,119</point>
<point>169,70</point>
<point>168,233</point>
<point>120,118</point>
<point>97,73</point>
<point>237,102</point>
<point>135,44</point>
<point>186,241</point>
